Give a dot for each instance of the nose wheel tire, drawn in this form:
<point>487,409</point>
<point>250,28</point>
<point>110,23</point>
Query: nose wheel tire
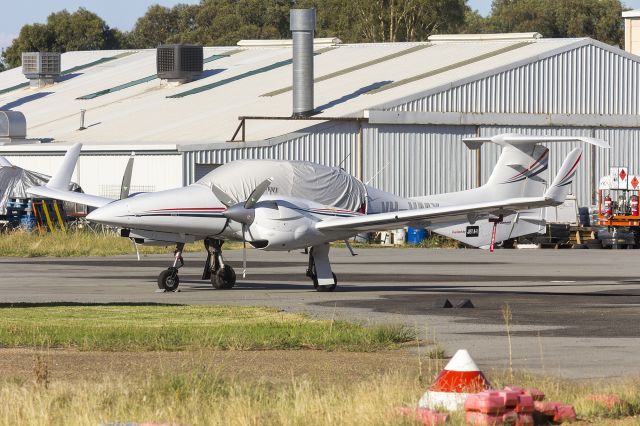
<point>224,278</point>
<point>324,288</point>
<point>168,280</point>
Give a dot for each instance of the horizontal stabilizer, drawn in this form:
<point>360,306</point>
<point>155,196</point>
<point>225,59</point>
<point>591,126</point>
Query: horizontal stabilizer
<point>70,196</point>
<point>516,139</point>
<point>58,186</point>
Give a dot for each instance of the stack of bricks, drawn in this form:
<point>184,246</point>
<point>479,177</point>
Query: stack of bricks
<point>503,407</point>
<point>515,406</point>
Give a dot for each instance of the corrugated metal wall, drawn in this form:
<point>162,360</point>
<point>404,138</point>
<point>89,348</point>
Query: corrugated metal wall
<point>625,150</point>
<point>414,160</point>
<point>331,144</point>
<point>585,80</point>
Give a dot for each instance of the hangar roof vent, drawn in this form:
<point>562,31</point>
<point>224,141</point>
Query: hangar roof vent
<point>41,68</point>
<point>179,63</point>
<point>13,127</point>
<point>484,37</point>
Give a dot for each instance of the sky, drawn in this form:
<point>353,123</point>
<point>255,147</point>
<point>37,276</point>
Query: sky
<point>122,14</point>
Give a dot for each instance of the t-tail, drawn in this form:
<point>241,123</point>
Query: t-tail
<point>58,186</point>
<point>521,171</point>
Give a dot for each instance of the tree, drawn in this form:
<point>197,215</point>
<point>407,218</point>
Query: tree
<point>64,31</point>
<point>599,19</point>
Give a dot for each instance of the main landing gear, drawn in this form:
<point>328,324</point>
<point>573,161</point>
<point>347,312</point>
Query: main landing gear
<point>319,269</point>
<point>222,275</point>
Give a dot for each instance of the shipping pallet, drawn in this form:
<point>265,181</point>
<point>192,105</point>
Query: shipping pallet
<point>581,234</point>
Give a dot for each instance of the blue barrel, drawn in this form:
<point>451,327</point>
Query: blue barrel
<point>415,236</point>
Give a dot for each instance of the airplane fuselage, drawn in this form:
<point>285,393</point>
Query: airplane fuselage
<point>194,212</point>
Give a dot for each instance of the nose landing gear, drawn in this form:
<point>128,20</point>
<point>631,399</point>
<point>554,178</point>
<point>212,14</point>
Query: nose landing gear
<point>168,279</point>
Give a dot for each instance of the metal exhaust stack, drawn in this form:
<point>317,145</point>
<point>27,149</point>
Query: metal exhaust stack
<point>303,24</point>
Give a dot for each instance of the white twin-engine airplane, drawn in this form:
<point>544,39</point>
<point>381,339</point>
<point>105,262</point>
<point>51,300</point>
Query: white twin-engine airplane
<point>287,205</point>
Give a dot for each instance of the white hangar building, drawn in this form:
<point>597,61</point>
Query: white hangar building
<point>393,114</point>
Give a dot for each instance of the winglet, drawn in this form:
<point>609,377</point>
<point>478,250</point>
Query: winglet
<point>561,185</point>
<point>62,177</point>
<point>4,162</point>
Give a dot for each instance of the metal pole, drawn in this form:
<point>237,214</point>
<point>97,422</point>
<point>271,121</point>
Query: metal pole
<point>360,171</point>
<point>478,161</point>
<point>82,111</point>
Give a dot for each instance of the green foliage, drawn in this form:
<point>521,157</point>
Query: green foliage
<point>64,31</point>
<point>170,328</point>
<point>225,22</point>
<point>598,19</point>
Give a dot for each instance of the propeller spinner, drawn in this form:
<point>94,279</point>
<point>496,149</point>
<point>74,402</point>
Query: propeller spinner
<point>242,212</point>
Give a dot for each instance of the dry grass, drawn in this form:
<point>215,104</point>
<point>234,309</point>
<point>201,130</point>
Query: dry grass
<point>76,243</point>
<point>204,397</point>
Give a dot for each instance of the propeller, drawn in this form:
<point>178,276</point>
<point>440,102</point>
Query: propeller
<point>125,188</point>
<point>242,212</point>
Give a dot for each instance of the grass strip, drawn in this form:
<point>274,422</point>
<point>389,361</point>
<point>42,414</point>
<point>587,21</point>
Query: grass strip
<point>205,397</point>
<point>76,243</point>
<point>173,328</point>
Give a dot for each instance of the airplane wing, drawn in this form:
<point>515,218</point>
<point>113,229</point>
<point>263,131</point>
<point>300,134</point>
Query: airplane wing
<point>58,186</point>
<point>554,196</point>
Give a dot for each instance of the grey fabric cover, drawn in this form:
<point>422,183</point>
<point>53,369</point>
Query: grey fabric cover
<point>14,182</point>
<point>329,186</point>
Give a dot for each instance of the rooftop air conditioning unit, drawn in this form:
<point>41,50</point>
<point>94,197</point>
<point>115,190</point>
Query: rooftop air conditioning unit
<point>179,63</point>
<point>41,68</point>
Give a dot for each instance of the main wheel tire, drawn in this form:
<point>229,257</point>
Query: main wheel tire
<point>324,288</point>
<point>168,280</point>
<point>224,278</point>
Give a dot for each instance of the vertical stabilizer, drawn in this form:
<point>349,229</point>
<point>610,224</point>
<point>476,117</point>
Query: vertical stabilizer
<point>62,177</point>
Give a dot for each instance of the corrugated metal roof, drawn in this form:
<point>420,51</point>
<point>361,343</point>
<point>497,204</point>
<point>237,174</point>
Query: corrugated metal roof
<point>145,113</point>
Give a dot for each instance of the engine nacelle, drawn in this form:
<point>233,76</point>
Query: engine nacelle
<point>285,225</point>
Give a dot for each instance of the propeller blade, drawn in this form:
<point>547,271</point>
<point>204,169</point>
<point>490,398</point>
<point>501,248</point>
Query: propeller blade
<point>126,178</point>
<point>257,193</point>
<point>223,196</point>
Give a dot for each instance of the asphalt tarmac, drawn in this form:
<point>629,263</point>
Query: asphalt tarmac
<point>575,313</point>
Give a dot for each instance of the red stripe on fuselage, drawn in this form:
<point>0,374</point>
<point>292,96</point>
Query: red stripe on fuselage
<point>192,209</point>
<point>535,163</point>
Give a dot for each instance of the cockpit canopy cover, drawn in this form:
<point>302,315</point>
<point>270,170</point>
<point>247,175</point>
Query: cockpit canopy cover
<point>329,186</point>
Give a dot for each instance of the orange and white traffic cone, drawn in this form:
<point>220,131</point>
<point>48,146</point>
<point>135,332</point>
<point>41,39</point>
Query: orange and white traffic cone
<point>460,377</point>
